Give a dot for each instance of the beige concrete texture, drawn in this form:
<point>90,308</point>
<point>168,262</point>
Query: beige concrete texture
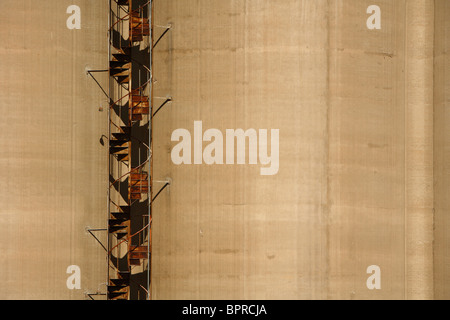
<point>442,151</point>
<point>355,185</point>
<point>364,156</point>
<point>53,167</point>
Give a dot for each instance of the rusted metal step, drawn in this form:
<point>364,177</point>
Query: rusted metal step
<point>139,183</point>
<point>119,282</point>
<point>121,57</point>
<point>139,189</point>
<point>122,282</point>
<point>140,106</point>
<point>123,157</point>
<point>119,72</point>
<point>141,110</point>
<point>120,136</point>
<point>136,19</point>
<point>138,111</point>
<point>137,254</point>
<point>123,134</point>
<point>140,25</point>
<point>119,69</point>
<point>139,28</point>
<point>118,292</point>
<point>139,176</point>
<point>118,150</point>
<point>120,215</point>
<point>139,98</point>
<point>119,143</point>
<point>140,102</point>
<point>119,64</point>
<point>118,225</point>
<point>139,249</point>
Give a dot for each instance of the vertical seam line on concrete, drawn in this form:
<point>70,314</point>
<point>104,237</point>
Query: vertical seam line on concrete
<point>432,148</point>
<point>433,152</point>
<point>327,150</point>
<point>244,45</point>
<point>197,170</point>
<point>405,124</point>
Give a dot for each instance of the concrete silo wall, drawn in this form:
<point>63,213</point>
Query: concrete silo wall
<point>353,196</point>
<point>442,150</point>
<point>358,195</point>
<point>53,168</point>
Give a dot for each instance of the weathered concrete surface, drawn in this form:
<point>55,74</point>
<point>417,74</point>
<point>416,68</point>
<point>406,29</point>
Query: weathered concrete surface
<point>53,168</point>
<point>442,151</point>
<point>419,149</point>
<point>355,187</point>
<point>358,149</point>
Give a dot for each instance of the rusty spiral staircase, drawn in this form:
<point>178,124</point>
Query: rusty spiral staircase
<point>129,193</point>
